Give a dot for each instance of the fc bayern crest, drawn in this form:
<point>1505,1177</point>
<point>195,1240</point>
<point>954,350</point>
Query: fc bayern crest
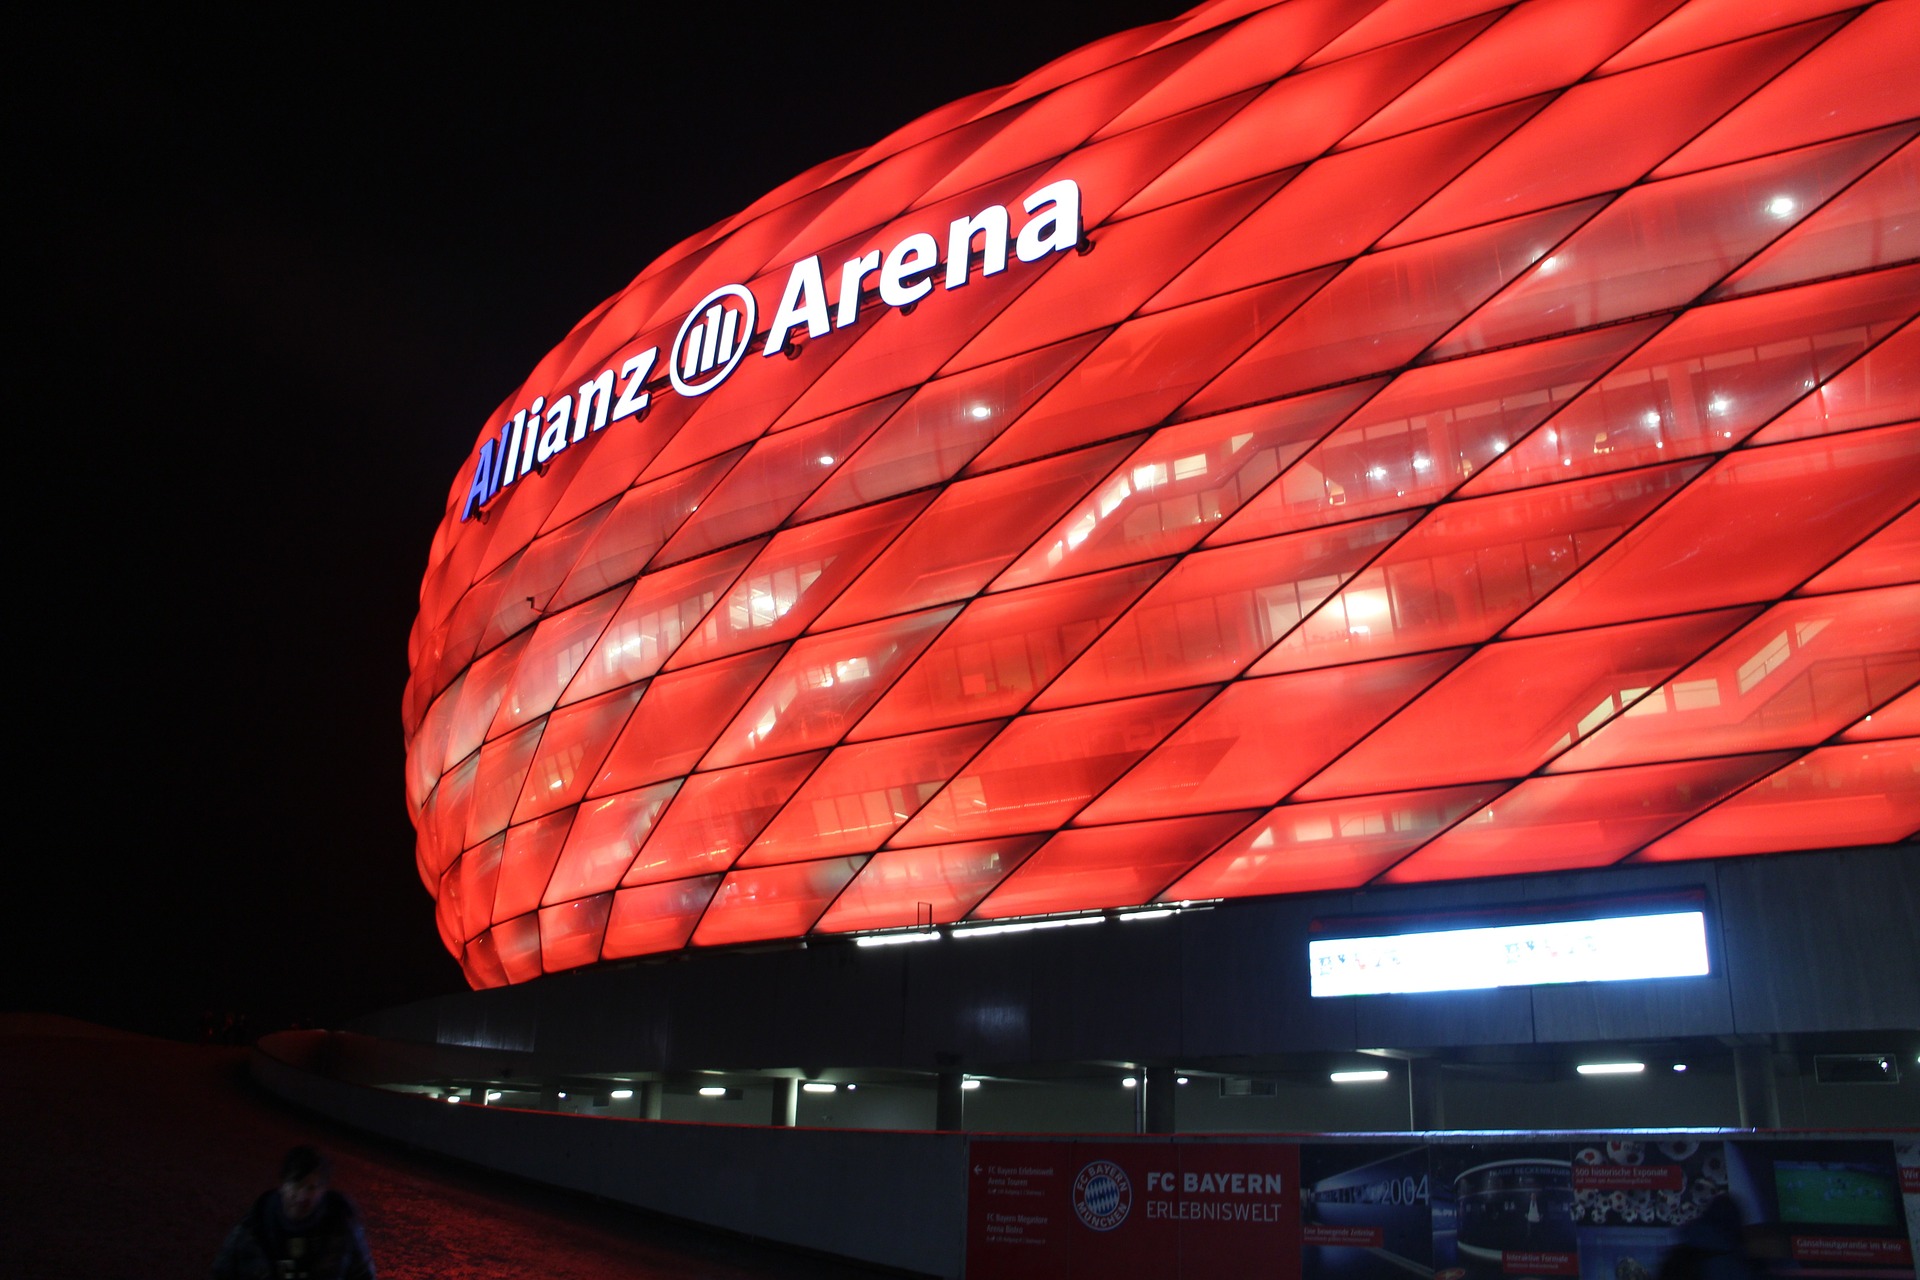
<point>1102,1195</point>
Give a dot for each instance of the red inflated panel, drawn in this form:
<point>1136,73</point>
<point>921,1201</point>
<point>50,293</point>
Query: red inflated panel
<point>1303,115</point>
<point>1897,719</point>
<point>972,531</point>
<point>1003,649</point>
<point>714,815</point>
<point>1602,135</point>
<point>526,864</point>
<point>1706,381</point>
<point>1334,844</point>
<point>1268,44</point>
<point>1384,309</point>
<point>663,610</point>
<point>1755,526</point>
<point>1043,768</point>
<point>1844,795</point>
<point>1700,23</point>
<point>575,742</point>
<point>605,835</point>
<point>1663,244</point>
<point>496,786</point>
<point>656,917</point>
<point>570,933</point>
<point>773,902</point>
<point>863,792</point>
<point>1217,611</point>
<point>937,884</point>
<point>1186,346</point>
<point>478,877</point>
<point>674,724</point>
<point>1470,568</point>
<point>1889,556</point>
<point>1107,866</point>
<point>1873,223</point>
<point>638,526</point>
<point>558,647</point>
<point>1793,677</point>
<point>1084,292</point>
<point>1181,484</point>
<point>1262,738</point>
<point>778,473</point>
<point>1859,78</point>
<point>1534,47</point>
<point>1293,446</point>
<point>1340,206</point>
<point>480,698</point>
<point>1578,820</point>
<point>1881,386</point>
<point>517,944</point>
<point>942,426</point>
<point>794,579</point>
<point>1430,431</point>
<point>822,687</point>
<point>1511,707</point>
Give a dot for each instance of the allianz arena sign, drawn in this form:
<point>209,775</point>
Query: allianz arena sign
<point>1475,446</point>
<point>719,330</point>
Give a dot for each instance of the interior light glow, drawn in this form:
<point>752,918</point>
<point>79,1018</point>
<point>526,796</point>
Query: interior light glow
<point>1782,206</point>
<point>712,1091</point>
<point>1130,1083</point>
<point>1611,1068</point>
<point>826,459</point>
<point>451,1098</point>
<point>563,1093</point>
<point>1179,1079</point>
<point>1667,945</point>
<point>1357,1077</point>
<point>1679,1066</point>
<point>1025,926</point>
<point>621,1095</point>
<point>894,939</point>
<point>1158,914</point>
<point>969,1084</point>
<point>815,1086</point>
<point>980,411</point>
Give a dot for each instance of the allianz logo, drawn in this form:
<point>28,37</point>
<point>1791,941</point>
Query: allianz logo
<point>719,332</point>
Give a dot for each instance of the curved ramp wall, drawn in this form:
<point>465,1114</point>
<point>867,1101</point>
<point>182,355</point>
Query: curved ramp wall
<point>891,1199</point>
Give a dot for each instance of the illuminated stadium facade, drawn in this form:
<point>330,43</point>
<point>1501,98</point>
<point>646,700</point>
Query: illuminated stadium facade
<point>1342,457</point>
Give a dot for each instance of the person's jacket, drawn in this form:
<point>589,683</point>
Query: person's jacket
<point>329,1245</point>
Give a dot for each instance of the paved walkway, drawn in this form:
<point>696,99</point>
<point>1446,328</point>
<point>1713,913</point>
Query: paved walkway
<point>127,1156</point>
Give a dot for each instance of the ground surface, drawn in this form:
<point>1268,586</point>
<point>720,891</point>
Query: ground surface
<point>123,1156</point>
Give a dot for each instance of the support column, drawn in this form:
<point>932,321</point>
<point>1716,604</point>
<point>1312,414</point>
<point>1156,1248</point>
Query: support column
<point>1156,1104</point>
<point>786,1102</point>
<point>1755,1087</point>
<point>1424,1110</point>
<point>650,1091</point>
<point>949,1103</point>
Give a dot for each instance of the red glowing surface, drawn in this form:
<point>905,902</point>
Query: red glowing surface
<point>1463,442</point>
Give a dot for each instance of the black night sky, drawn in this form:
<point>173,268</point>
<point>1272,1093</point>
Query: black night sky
<point>278,267</point>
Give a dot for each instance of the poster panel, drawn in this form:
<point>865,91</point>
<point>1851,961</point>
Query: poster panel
<point>1822,1207</point>
<point>1634,1197</point>
<point>1365,1212</point>
<point>1144,1208</point>
<point>1015,1195</point>
<point>1503,1209</point>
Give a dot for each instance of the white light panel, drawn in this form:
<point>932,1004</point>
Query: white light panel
<point>1671,945</point>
